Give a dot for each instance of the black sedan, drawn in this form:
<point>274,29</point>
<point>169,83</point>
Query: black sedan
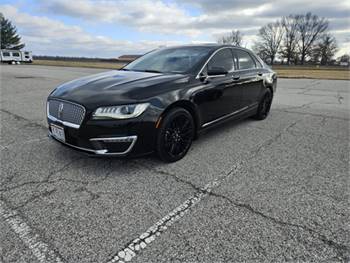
<point>161,101</point>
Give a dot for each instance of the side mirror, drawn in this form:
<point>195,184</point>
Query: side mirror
<point>214,71</point>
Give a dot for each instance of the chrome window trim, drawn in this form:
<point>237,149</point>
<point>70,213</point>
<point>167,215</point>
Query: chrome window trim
<point>236,70</point>
<point>66,123</point>
<point>251,56</point>
<point>103,152</point>
<point>228,115</point>
<point>211,56</point>
<point>215,76</point>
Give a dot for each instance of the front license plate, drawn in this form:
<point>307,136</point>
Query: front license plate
<point>58,133</point>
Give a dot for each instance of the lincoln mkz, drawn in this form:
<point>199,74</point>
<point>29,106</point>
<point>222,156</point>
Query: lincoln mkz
<point>161,101</point>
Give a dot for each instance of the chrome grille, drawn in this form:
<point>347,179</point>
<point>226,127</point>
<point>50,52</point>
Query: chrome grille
<point>65,111</point>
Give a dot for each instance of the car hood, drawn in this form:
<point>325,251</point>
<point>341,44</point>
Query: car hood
<point>117,87</point>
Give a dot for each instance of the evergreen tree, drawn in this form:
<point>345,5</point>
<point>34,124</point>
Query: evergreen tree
<point>9,37</point>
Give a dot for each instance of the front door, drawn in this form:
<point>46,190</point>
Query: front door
<point>220,95</point>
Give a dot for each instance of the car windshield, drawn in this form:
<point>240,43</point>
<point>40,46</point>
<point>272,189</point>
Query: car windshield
<point>169,60</point>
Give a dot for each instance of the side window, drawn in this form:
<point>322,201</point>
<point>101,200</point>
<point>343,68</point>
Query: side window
<point>15,54</point>
<point>6,54</point>
<point>257,62</point>
<point>222,58</point>
<point>245,61</point>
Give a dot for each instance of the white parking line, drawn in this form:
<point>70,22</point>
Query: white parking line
<point>140,243</point>
<point>31,239</point>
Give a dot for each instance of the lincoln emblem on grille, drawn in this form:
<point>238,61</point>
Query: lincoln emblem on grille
<point>60,110</point>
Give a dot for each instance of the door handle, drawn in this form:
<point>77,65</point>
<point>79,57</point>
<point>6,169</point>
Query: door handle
<point>236,77</point>
<point>260,74</point>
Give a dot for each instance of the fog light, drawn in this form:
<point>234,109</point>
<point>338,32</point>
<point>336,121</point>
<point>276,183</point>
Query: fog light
<point>116,139</point>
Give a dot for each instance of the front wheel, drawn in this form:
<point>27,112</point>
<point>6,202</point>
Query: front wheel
<point>264,106</point>
<point>175,135</point>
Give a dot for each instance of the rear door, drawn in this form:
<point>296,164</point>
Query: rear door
<point>249,75</point>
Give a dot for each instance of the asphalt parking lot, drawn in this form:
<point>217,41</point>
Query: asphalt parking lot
<point>253,191</point>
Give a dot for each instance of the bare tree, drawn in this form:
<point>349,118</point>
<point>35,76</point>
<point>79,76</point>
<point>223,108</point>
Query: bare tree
<point>269,41</point>
<point>325,49</point>
<point>344,58</point>
<point>290,36</point>
<point>233,38</point>
<point>310,28</point>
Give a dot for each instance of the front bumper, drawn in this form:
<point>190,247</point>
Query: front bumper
<point>110,137</point>
<point>106,152</point>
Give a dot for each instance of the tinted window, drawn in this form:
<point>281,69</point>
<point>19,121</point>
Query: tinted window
<point>15,54</point>
<point>177,60</point>
<point>245,61</point>
<point>257,62</point>
<point>222,58</point>
<point>6,54</point>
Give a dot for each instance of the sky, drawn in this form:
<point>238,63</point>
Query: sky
<point>110,28</point>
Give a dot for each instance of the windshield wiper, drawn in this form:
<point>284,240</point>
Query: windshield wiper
<point>152,71</point>
<point>125,69</point>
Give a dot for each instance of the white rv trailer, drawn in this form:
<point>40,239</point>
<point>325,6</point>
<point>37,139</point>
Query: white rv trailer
<point>15,56</point>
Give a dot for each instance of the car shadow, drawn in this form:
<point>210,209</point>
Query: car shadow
<point>152,159</point>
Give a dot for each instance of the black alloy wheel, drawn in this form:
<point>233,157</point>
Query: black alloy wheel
<point>264,106</point>
<point>175,135</point>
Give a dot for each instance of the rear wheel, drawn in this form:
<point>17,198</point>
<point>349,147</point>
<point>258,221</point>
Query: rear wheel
<point>175,135</point>
<point>264,106</point>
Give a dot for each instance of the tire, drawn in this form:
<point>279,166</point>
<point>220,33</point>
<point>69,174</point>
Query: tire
<point>264,106</point>
<point>175,135</point>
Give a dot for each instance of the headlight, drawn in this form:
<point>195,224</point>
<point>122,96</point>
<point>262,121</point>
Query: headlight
<point>120,112</point>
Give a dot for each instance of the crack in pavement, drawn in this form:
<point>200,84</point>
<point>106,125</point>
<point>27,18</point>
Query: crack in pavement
<point>199,189</point>
<point>342,250</point>
<point>47,180</point>
<point>135,246</point>
<point>92,195</point>
<point>313,114</point>
<point>7,147</point>
<point>301,106</point>
<point>35,197</point>
<point>20,118</point>
<point>174,176</point>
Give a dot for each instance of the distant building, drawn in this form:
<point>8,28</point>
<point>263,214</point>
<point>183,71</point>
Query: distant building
<point>128,58</point>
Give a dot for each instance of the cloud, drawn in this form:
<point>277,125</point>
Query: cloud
<point>160,17</point>
<point>196,20</point>
<point>275,8</point>
<point>213,18</point>
<point>147,15</point>
<point>48,36</point>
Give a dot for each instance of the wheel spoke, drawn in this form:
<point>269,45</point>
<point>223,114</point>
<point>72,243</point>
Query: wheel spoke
<point>178,135</point>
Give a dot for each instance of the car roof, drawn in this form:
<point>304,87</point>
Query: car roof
<point>212,46</point>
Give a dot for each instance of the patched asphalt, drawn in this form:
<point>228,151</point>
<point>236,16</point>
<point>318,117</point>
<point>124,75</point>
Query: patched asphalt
<point>288,201</point>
